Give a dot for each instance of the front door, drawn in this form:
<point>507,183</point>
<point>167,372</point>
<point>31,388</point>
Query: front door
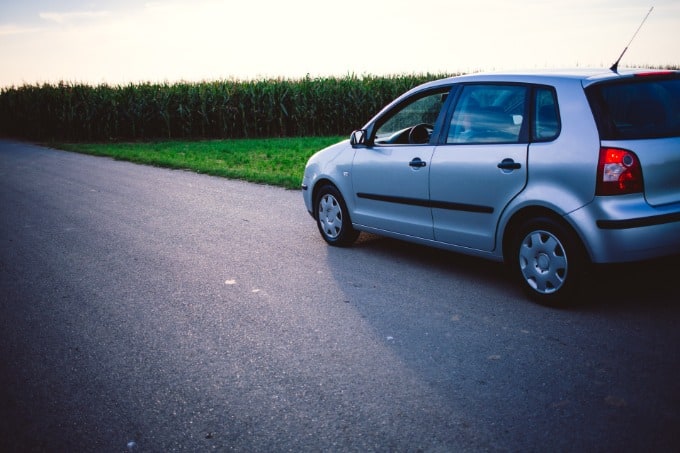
<point>390,177</point>
<point>391,189</point>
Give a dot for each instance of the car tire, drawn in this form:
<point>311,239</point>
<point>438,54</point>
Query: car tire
<point>549,261</point>
<point>332,217</point>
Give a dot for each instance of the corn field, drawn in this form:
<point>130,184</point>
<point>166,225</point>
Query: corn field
<point>206,110</point>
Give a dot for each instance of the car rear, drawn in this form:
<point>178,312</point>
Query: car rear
<point>636,211</point>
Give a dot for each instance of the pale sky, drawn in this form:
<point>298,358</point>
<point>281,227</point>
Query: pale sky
<point>127,41</point>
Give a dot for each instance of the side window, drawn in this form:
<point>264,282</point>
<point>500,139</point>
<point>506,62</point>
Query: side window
<point>546,121</point>
<point>488,114</point>
<point>413,121</point>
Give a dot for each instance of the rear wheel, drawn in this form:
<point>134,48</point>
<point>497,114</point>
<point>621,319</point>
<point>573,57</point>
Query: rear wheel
<point>333,220</point>
<point>549,261</point>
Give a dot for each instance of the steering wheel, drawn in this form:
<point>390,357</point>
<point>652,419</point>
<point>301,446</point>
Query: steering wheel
<point>420,133</point>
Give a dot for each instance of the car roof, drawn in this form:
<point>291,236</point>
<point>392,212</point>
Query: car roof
<point>587,76</point>
<point>582,76</point>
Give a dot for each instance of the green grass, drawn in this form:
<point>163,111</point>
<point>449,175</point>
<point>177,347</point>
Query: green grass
<point>276,161</point>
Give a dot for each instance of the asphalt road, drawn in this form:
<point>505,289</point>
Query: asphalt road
<point>147,309</point>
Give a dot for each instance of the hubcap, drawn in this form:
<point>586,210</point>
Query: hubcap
<point>330,216</point>
<point>543,261</point>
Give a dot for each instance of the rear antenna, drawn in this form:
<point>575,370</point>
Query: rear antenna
<point>615,66</point>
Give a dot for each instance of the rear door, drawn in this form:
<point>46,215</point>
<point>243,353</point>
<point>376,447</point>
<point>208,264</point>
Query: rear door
<point>481,166</point>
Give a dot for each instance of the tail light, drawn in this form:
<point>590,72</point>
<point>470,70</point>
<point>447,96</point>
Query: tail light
<point>618,172</point>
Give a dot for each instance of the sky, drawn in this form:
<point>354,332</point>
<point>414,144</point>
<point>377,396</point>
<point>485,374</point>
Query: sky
<point>118,42</point>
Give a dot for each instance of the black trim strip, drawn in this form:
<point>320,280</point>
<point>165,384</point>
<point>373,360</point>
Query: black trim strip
<point>428,203</point>
<point>461,207</point>
<point>391,199</point>
<point>639,222</point>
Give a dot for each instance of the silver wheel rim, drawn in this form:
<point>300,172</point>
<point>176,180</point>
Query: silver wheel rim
<point>330,216</point>
<point>543,261</point>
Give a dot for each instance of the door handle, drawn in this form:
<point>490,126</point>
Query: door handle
<point>417,163</point>
<point>509,164</point>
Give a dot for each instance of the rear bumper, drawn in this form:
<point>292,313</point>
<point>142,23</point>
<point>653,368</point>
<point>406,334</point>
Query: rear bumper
<point>624,229</point>
<point>639,222</point>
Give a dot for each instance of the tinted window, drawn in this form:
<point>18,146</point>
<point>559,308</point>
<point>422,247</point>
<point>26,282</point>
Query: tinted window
<point>637,109</point>
<point>488,114</point>
<point>546,125</point>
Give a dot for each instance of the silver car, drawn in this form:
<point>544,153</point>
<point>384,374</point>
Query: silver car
<point>548,172</point>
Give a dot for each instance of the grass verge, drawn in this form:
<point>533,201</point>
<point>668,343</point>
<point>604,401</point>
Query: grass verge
<point>276,161</point>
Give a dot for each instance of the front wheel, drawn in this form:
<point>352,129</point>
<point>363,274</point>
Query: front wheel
<point>549,261</point>
<point>333,220</point>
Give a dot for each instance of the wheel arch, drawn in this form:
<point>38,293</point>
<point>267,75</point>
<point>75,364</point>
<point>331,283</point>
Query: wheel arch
<point>318,184</point>
<point>532,212</point>
<point>335,225</point>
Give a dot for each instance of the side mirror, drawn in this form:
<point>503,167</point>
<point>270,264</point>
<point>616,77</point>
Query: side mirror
<point>358,138</point>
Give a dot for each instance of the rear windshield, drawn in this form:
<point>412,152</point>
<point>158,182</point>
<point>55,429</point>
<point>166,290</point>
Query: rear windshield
<point>637,108</point>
